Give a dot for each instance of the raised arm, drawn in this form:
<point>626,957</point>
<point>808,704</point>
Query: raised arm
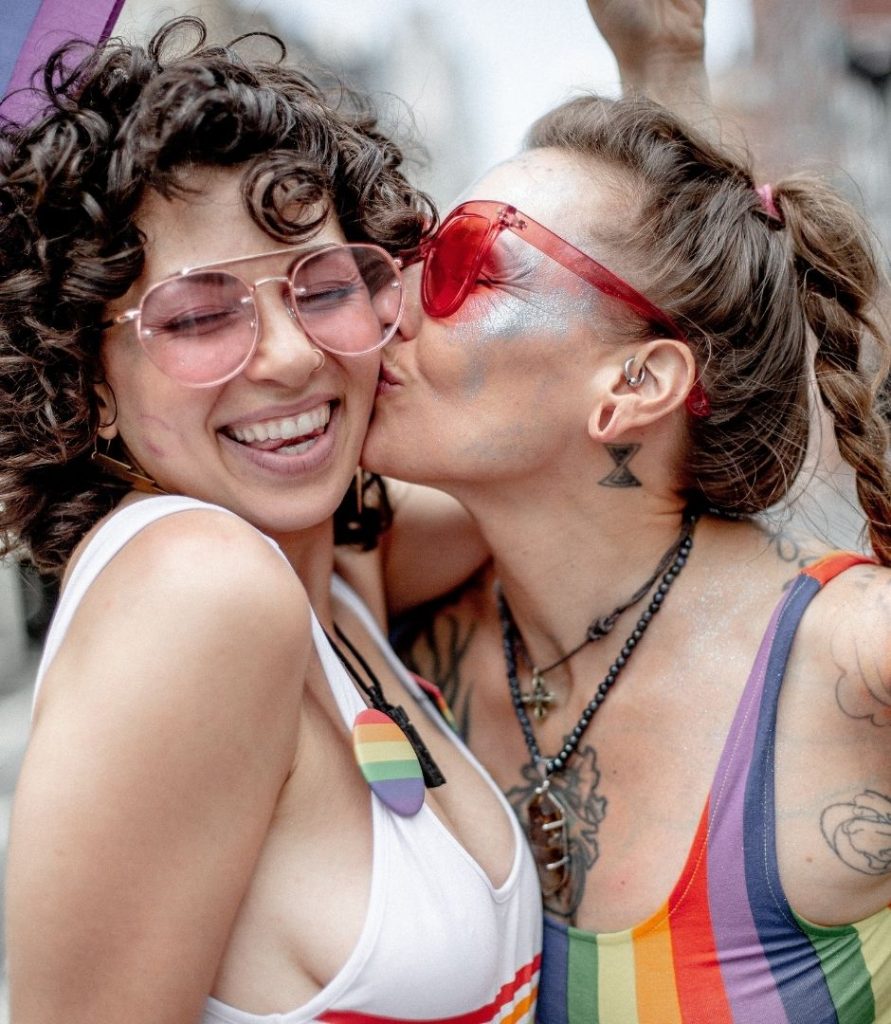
<point>163,735</point>
<point>659,46</point>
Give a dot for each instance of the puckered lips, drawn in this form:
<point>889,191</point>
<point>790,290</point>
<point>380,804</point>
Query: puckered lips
<point>387,380</point>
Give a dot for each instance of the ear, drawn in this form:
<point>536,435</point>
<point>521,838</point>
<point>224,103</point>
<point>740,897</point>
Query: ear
<point>108,410</point>
<point>669,372</point>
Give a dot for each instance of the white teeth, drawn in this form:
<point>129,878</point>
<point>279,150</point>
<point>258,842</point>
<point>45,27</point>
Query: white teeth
<point>292,426</point>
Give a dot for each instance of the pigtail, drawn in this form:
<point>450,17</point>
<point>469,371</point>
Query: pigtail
<point>838,280</point>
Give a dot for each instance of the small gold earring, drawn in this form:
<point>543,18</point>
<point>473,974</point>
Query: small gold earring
<point>138,480</point>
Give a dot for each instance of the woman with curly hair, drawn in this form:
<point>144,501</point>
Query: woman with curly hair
<point>225,813</point>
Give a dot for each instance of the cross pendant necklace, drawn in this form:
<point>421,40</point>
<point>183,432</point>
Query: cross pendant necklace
<point>539,698</point>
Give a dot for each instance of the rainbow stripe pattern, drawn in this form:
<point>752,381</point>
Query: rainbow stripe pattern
<point>726,947</point>
<point>514,1003</point>
<point>388,762</point>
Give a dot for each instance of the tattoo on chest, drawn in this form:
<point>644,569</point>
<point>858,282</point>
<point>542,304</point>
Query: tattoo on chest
<point>577,789</point>
<point>860,832</point>
<point>621,475</point>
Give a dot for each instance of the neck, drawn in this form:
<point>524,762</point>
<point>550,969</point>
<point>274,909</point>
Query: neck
<point>311,554</point>
<point>563,563</point>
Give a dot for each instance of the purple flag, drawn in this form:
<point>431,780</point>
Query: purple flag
<point>33,29</point>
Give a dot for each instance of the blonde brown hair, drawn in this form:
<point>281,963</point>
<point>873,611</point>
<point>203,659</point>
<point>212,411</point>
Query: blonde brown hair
<point>748,288</point>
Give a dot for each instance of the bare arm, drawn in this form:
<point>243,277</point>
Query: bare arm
<point>659,46</point>
<point>164,733</point>
<point>432,547</point>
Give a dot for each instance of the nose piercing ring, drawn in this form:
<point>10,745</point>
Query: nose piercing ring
<point>630,379</point>
<point>320,360</point>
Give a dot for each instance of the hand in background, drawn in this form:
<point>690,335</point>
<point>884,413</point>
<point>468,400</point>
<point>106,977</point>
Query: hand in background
<point>659,46</point>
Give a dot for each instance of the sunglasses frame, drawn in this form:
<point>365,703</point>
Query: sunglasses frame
<point>504,217</point>
<point>134,314</point>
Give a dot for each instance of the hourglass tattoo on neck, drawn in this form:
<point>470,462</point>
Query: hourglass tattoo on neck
<point>621,475</point>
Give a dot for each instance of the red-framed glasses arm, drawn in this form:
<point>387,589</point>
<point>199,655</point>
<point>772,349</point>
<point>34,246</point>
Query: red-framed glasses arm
<point>588,269</point>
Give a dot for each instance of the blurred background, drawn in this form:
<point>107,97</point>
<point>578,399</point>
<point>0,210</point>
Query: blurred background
<point>807,83</point>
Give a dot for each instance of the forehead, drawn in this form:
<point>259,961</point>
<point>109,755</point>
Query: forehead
<point>570,194</point>
<point>207,223</point>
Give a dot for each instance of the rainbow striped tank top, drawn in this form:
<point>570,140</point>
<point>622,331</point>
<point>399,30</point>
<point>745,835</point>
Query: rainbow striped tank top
<point>726,947</point>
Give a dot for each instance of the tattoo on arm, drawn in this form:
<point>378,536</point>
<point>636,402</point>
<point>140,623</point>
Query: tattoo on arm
<point>864,694</point>
<point>860,832</point>
<point>435,651</point>
<point>621,476</point>
<point>576,787</point>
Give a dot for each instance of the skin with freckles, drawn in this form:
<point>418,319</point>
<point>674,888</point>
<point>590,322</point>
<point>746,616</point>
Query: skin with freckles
<point>518,405</point>
<point>518,327</point>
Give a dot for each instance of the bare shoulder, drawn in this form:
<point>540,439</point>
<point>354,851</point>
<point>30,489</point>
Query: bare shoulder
<point>194,596</point>
<point>838,713</point>
<point>852,615</point>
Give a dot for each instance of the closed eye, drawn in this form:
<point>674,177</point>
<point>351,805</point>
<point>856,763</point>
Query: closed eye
<point>323,296</point>
<point>197,322</point>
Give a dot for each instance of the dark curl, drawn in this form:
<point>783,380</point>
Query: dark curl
<point>119,120</point>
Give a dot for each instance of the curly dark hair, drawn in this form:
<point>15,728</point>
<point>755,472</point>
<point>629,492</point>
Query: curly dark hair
<point>120,119</point>
<point>767,301</point>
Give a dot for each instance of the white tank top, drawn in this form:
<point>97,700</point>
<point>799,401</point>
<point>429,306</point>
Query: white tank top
<point>440,942</point>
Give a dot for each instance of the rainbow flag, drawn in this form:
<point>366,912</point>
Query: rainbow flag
<point>32,29</point>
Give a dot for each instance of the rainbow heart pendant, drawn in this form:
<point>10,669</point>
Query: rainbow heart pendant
<point>388,762</point>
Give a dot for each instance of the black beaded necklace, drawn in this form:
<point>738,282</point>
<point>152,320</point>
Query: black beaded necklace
<point>546,816</point>
<point>539,698</point>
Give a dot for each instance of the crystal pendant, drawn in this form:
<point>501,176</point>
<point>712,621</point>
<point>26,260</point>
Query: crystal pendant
<point>548,838</point>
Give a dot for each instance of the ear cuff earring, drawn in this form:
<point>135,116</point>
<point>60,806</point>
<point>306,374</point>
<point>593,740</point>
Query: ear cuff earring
<point>630,379</point>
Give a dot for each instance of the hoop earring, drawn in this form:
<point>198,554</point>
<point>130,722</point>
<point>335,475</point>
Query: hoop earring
<point>630,379</point>
<point>138,480</point>
<point>321,360</point>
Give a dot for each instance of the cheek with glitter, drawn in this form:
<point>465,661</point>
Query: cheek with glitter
<point>500,319</point>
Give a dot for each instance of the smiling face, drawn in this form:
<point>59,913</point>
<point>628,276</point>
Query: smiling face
<point>279,442</point>
<point>503,386</point>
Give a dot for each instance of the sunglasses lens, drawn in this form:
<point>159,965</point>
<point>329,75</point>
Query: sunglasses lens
<point>451,263</point>
<point>348,298</point>
<point>198,329</point>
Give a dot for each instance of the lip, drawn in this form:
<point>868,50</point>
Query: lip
<point>387,381</point>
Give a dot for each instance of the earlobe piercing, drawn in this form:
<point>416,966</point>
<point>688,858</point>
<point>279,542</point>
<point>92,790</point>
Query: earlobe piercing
<point>320,360</point>
<point>630,379</point>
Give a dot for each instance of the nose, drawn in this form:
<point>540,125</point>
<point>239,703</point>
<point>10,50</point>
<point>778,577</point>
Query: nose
<point>284,351</point>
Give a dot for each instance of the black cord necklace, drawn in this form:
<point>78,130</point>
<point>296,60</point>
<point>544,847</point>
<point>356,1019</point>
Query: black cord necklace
<point>539,697</point>
<point>546,816</point>
<point>373,690</point>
